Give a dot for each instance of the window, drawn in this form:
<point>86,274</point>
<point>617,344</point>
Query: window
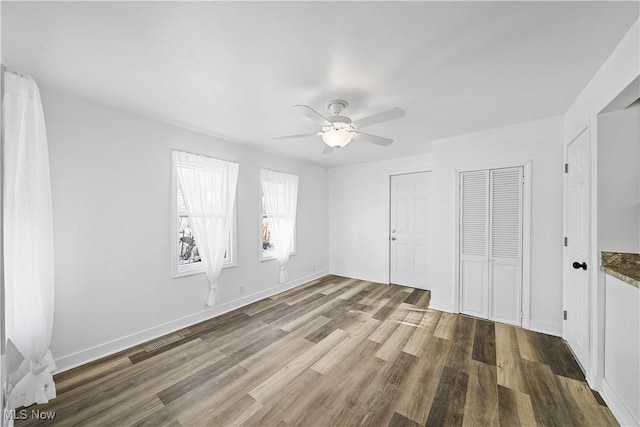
<point>186,256</point>
<point>267,243</point>
<point>187,249</point>
<point>277,213</point>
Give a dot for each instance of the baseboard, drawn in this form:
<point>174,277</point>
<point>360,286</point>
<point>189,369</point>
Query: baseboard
<point>352,275</point>
<point>617,406</point>
<point>545,327</point>
<point>549,328</point>
<point>442,306</point>
<point>91,354</point>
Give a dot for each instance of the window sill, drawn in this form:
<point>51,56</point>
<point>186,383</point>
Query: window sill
<point>272,257</point>
<point>199,270</point>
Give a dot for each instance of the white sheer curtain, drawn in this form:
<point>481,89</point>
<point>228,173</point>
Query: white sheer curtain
<point>209,191</point>
<point>28,245</point>
<point>280,192</point>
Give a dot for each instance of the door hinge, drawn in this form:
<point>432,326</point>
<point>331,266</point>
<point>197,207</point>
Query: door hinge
<point>566,168</point>
<point>564,314</point>
<point>566,241</point>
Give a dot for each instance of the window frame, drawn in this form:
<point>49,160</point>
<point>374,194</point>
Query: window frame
<point>178,270</point>
<point>262,214</point>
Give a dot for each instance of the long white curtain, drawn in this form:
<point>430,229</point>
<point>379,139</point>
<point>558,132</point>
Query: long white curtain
<point>28,245</point>
<point>280,192</point>
<point>209,191</point>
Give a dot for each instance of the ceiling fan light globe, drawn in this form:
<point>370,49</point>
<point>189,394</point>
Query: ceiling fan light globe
<point>337,138</point>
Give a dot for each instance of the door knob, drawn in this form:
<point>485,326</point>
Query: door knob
<point>577,265</point>
<point>393,238</point>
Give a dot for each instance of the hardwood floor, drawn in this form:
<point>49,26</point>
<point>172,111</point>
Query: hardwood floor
<point>335,352</point>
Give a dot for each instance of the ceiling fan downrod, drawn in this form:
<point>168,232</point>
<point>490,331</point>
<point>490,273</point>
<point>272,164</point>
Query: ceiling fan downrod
<point>337,105</point>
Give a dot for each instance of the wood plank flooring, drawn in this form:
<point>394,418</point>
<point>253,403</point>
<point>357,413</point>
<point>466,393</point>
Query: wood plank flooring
<point>335,352</point>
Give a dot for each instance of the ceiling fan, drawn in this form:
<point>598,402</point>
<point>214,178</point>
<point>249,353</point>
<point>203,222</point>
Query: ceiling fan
<point>338,130</point>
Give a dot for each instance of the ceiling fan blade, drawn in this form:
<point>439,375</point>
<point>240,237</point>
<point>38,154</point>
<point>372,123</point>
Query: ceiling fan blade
<point>328,150</point>
<point>394,113</point>
<point>314,115</point>
<point>302,135</point>
<point>365,137</point>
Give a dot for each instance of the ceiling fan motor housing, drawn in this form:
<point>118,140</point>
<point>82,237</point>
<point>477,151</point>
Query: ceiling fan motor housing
<point>338,134</point>
<point>339,122</point>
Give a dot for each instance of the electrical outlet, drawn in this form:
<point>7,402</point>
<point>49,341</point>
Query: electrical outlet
<point>313,267</point>
<point>241,289</point>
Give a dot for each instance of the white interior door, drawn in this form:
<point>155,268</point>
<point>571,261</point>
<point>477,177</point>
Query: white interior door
<point>576,301</point>
<point>410,229</point>
<point>491,204</point>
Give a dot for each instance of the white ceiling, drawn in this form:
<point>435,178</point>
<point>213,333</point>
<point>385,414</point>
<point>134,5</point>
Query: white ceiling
<point>233,69</point>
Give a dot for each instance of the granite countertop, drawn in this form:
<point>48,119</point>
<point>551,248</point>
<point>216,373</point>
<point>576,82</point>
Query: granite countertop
<point>623,266</point>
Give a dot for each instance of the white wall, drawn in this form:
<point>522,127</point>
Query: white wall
<point>622,354</point>
<point>616,77</point>
<point>110,175</point>
<point>539,142</point>
<point>359,215</point>
<point>619,180</point>
<point>620,69</point>
<point>2,342</point>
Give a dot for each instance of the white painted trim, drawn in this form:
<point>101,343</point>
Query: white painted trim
<point>617,406</point>
<point>457,302</point>
<point>467,167</point>
<point>526,248</point>
<point>442,306</point>
<point>595,365</point>
<point>526,233</point>
<point>545,327</point>
<point>70,361</point>
<point>358,276</point>
<point>408,171</point>
<point>272,257</point>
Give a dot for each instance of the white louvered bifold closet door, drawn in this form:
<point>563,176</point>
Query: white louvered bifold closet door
<point>491,244</point>
<point>505,254</point>
<point>474,242</point>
